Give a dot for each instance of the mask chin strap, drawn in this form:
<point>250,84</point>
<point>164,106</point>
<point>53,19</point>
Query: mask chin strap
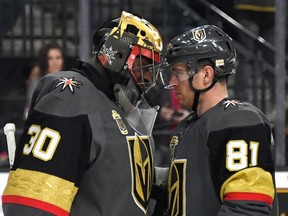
<point>197,92</point>
<point>195,102</point>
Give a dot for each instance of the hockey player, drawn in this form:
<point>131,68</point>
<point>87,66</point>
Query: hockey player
<point>221,160</point>
<point>86,148</point>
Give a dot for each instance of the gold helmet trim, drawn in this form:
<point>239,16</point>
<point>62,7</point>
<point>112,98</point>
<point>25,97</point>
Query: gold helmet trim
<point>151,33</point>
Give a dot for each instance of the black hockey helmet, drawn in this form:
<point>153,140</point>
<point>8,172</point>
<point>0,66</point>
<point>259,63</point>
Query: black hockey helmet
<point>205,42</point>
<point>121,41</point>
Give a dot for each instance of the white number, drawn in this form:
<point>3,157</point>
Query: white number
<point>34,131</point>
<point>38,139</point>
<point>254,153</point>
<point>237,154</point>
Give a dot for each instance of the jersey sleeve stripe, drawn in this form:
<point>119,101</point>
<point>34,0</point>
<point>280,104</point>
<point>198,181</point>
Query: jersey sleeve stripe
<point>35,185</point>
<point>35,204</point>
<point>249,196</point>
<point>254,180</point>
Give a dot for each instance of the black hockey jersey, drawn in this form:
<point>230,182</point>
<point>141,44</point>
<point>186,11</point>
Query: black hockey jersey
<point>78,155</point>
<point>221,163</point>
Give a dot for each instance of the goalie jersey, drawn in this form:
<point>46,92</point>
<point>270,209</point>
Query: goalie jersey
<point>221,163</point>
<point>78,155</point>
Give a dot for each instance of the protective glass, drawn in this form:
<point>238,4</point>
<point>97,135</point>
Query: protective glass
<point>175,73</point>
<point>140,116</point>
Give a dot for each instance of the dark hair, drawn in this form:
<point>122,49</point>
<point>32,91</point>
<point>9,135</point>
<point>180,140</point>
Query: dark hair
<point>204,62</point>
<point>43,56</point>
<point>208,62</point>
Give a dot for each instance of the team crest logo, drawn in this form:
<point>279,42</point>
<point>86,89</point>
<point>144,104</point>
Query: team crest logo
<point>199,34</point>
<point>69,83</point>
<point>176,188</point>
<point>108,53</point>
<point>119,122</point>
<point>141,162</point>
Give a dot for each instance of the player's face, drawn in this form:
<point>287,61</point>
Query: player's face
<point>140,72</point>
<point>55,60</point>
<point>180,82</point>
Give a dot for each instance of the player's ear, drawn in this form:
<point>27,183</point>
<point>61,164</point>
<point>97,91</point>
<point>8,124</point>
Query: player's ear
<point>208,74</point>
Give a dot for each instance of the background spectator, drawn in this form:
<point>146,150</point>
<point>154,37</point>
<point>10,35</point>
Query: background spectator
<point>50,60</point>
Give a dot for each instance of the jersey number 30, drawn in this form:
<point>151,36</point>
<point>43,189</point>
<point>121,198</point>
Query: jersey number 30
<point>237,154</point>
<point>43,142</point>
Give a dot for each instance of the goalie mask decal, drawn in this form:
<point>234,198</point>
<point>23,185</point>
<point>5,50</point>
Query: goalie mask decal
<point>141,162</point>
<point>108,54</point>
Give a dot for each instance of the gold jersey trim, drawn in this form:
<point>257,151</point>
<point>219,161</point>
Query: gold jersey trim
<point>41,186</point>
<point>250,180</point>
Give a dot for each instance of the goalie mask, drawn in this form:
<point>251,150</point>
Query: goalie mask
<point>129,48</point>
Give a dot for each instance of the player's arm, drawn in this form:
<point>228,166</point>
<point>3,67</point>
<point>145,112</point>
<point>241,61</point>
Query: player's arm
<point>51,156</point>
<point>242,169</point>
<point>249,191</point>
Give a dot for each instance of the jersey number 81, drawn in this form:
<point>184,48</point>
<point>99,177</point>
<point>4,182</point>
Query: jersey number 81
<point>237,154</point>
